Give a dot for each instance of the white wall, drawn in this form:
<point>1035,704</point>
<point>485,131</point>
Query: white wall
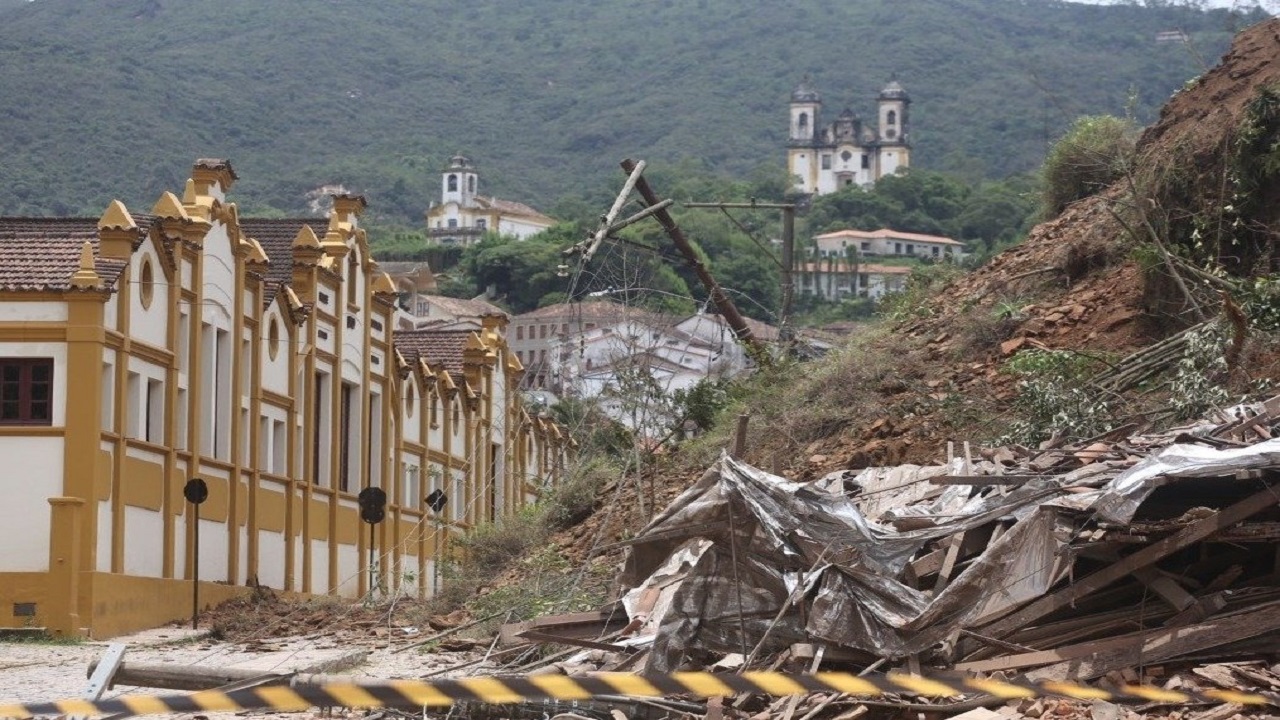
<point>144,542</point>
<point>271,547</point>
<point>34,466</point>
<point>148,324</point>
<point>33,312</point>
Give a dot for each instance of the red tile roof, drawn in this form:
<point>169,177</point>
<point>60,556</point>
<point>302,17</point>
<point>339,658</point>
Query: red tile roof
<point>589,310</point>
<point>511,207</point>
<point>43,253</point>
<point>886,234</point>
<point>276,237</point>
<point>460,308</point>
<point>434,346</point>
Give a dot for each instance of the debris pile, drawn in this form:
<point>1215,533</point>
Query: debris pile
<point>1126,560</point>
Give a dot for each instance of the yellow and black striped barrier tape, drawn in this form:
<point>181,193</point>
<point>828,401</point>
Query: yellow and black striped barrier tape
<point>516,689</point>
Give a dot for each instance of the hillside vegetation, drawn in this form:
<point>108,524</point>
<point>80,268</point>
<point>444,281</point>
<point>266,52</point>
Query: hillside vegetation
<point>115,98</point>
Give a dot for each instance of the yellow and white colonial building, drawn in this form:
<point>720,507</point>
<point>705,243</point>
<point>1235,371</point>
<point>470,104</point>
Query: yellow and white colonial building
<point>463,216</point>
<point>141,350</point>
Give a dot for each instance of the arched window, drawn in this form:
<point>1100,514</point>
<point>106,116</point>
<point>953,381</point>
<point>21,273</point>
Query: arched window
<point>353,271</point>
<point>453,183</point>
<point>471,183</point>
<point>803,121</point>
<point>891,118</point>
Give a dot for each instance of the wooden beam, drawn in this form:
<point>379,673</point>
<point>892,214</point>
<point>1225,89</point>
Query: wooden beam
<point>1158,646</point>
<point>1166,587</point>
<point>982,479</point>
<point>1145,557</point>
<point>542,637</point>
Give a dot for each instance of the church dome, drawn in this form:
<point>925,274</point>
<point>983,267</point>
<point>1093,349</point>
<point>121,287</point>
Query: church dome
<point>802,93</point>
<point>893,91</point>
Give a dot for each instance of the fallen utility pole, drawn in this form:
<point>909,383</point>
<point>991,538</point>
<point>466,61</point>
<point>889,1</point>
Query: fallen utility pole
<point>186,677</point>
<point>788,262</point>
<point>726,307</point>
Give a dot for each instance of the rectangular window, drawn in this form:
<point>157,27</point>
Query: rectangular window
<point>133,422</point>
<point>865,246</point>
<point>866,161</point>
<point>481,224</point>
<point>264,444</point>
<point>519,332</point>
<point>458,502</point>
<point>180,441</point>
<point>155,411</point>
<point>826,161</point>
<point>346,428</point>
<point>320,431</point>
<point>935,251</point>
<point>279,448</point>
<point>184,341</point>
<point>223,394</point>
<point>215,391</point>
<point>108,396</point>
<point>375,441</point>
<point>26,391</point>
<point>911,249</point>
<point>453,222</point>
<point>897,248</point>
<point>412,492</point>
<point>542,332</point>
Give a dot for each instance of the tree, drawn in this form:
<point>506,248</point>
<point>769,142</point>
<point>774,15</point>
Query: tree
<point>521,271</point>
<point>1088,158</point>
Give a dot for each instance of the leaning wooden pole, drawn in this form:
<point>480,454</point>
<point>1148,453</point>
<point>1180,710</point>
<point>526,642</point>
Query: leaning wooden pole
<point>726,307</point>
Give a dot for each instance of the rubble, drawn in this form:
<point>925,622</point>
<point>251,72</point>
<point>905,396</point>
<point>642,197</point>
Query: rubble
<point>1135,560</point>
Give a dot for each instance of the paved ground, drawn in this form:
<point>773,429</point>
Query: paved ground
<point>36,672</point>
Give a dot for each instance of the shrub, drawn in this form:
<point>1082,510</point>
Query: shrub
<point>1092,155</point>
<point>1054,396</point>
<point>1199,381</point>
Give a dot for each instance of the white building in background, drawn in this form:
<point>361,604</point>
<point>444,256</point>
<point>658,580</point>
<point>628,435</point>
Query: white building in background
<point>463,216</point>
<point>824,158</point>
<point>835,279</point>
<point>632,362</point>
<point>887,243</point>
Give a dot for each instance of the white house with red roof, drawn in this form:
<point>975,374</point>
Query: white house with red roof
<point>886,242</point>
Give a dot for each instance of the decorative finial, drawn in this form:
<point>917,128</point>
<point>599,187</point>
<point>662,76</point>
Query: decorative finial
<point>86,278</point>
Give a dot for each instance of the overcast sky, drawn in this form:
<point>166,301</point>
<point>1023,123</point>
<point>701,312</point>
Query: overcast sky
<point>1270,5</point>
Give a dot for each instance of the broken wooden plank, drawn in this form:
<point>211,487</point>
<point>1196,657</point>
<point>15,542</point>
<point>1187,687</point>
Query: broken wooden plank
<point>1166,587</point>
<point>1203,608</point>
<point>1145,557</point>
<point>593,624</point>
<point>1160,645</point>
<point>544,637</point>
<point>948,563</point>
<point>982,479</point>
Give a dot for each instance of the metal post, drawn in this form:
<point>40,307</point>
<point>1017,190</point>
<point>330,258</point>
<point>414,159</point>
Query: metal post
<point>372,573</point>
<point>195,568</point>
<point>788,266</point>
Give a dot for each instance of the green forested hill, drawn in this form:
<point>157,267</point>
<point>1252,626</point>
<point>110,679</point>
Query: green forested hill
<point>116,97</point>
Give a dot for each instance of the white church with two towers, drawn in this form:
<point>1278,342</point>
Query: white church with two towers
<point>824,158</point>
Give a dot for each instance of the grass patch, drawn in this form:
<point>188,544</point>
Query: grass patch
<point>490,549</point>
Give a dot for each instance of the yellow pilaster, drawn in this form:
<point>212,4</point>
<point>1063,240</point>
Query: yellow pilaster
<point>62,616</point>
